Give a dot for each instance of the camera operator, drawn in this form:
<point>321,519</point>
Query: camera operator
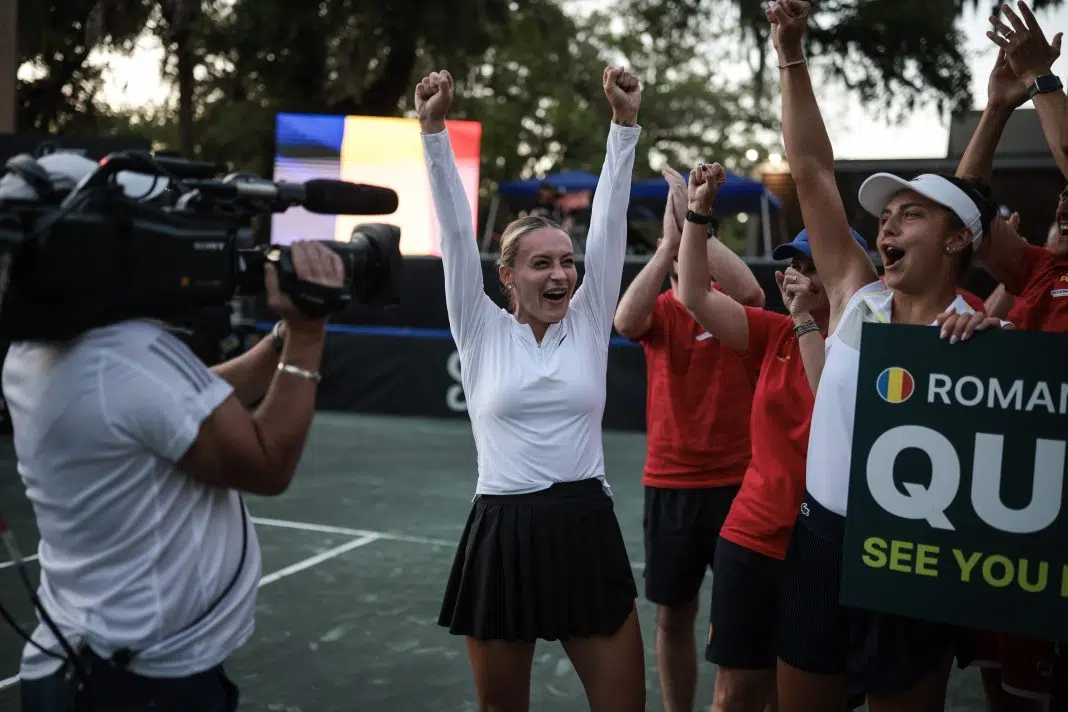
<point>134,455</point>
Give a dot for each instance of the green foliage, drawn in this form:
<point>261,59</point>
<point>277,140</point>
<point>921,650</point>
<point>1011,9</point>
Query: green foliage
<point>894,55</point>
<point>529,70</point>
<point>61,95</point>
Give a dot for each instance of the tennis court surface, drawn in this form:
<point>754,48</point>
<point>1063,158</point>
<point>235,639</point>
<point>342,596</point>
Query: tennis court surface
<point>355,558</point>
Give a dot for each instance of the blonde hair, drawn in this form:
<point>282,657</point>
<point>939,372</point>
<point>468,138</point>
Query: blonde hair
<point>511,241</point>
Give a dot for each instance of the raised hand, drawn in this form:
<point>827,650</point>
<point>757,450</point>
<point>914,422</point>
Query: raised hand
<point>1014,222</point>
<point>624,95</point>
<point>671,237</point>
<point>433,97</point>
<point>1005,231</point>
<point>1028,52</point>
<point>1004,88</point>
<point>788,19</point>
<point>705,181</point>
<point>798,295</point>
<point>677,192</point>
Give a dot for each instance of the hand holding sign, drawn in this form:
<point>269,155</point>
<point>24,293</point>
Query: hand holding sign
<point>960,327</point>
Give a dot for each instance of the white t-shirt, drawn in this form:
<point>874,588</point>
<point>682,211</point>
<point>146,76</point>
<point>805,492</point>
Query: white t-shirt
<point>535,409</point>
<point>830,442</point>
<point>132,550</point>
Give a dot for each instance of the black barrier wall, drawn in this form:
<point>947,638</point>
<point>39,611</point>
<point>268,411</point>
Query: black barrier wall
<point>403,361</point>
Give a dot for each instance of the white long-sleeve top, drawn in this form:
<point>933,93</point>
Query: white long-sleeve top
<point>535,409</point>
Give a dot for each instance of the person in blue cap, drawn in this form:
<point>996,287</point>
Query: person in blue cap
<point>753,540</point>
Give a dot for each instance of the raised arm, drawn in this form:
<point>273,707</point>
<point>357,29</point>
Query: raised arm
<point>1004,93</point>
<point>801,301</point>
<point>466,300</point>
<point>606,243</point>
<point>723,317</point>
<point>728,270</point>
<point>634,315</point>
<point>1031,59</point>
<point>843,265</point>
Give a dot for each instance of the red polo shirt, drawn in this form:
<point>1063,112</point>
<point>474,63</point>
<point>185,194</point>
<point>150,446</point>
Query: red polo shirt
<point>1042,295</point>
<point>698,397</point>
<point>1041,305</point>
<point>765,508</point>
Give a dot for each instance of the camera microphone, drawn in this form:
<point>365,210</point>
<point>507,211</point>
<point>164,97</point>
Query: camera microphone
<point>321,195</point>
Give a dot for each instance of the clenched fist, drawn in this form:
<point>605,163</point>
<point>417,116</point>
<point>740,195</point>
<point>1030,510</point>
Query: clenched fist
<point>703,188</point>
<point>433,97</point>
<point>788,19</point>
<point>624,95</point>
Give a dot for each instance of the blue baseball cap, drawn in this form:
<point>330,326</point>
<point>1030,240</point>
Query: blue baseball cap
<point>800,245</point>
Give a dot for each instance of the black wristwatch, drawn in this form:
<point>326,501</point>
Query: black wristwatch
<point>698,218</point>
<point>1045,84</point>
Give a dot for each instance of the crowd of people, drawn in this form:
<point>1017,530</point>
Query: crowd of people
<point>135,454</point>
<point>750,413</point>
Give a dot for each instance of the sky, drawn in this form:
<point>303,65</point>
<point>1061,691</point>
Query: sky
<point>855,133</point>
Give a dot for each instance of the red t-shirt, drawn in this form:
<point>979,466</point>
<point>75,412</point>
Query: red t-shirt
<point>762,516</point>
<point>1042,297</point>
<point>698,396</point>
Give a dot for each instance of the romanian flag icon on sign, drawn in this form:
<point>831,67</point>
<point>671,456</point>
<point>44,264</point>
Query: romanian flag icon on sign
<point>895,385</point>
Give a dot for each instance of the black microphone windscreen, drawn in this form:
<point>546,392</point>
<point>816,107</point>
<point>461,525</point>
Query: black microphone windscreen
<point>338,197</point>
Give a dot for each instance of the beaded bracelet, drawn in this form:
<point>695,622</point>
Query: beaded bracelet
<point>805,327</point>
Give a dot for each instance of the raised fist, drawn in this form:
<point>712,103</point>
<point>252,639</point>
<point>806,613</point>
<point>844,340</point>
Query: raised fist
<point>624,94</point>
<point>705,181</point>
<point>788,19</point>
<point>433,97</point>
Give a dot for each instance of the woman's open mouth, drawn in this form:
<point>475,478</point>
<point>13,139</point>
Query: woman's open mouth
<point>555,295</point>
<point>891,255</point>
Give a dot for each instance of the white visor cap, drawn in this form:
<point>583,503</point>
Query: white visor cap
<point>878,189</point>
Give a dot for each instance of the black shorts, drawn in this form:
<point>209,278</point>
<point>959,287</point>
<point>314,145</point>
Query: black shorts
<point>548,565</point>
<point>881,653</point>
<point>681,529</point>
<point>745,603</point>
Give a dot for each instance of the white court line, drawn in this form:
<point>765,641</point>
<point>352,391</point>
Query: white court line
<point>9,564</point>
<point>362,540</point>
<point>318,558</point>
<point>387,536</point>
<point>327,529</point>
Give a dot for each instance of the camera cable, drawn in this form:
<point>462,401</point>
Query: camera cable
<point>71,658</point>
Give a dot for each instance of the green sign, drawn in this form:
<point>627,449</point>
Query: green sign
<point>956,498</point>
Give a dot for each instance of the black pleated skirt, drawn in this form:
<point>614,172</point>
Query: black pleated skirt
<point>548,565</point>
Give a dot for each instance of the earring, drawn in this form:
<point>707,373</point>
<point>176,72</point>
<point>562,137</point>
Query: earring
<point>949,251</point>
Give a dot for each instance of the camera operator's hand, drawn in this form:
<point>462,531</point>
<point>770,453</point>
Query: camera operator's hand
<point>313,262</point>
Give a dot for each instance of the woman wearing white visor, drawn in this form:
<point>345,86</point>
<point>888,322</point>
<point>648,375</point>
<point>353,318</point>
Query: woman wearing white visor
<point>928,229</point>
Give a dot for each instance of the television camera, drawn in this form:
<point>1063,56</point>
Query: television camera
<point>140,235</point>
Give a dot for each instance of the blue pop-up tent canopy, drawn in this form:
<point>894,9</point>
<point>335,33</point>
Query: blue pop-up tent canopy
<point>567,180</point>
<point>736,195</point>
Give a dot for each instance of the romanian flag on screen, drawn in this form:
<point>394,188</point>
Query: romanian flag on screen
<point>386,152</point>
